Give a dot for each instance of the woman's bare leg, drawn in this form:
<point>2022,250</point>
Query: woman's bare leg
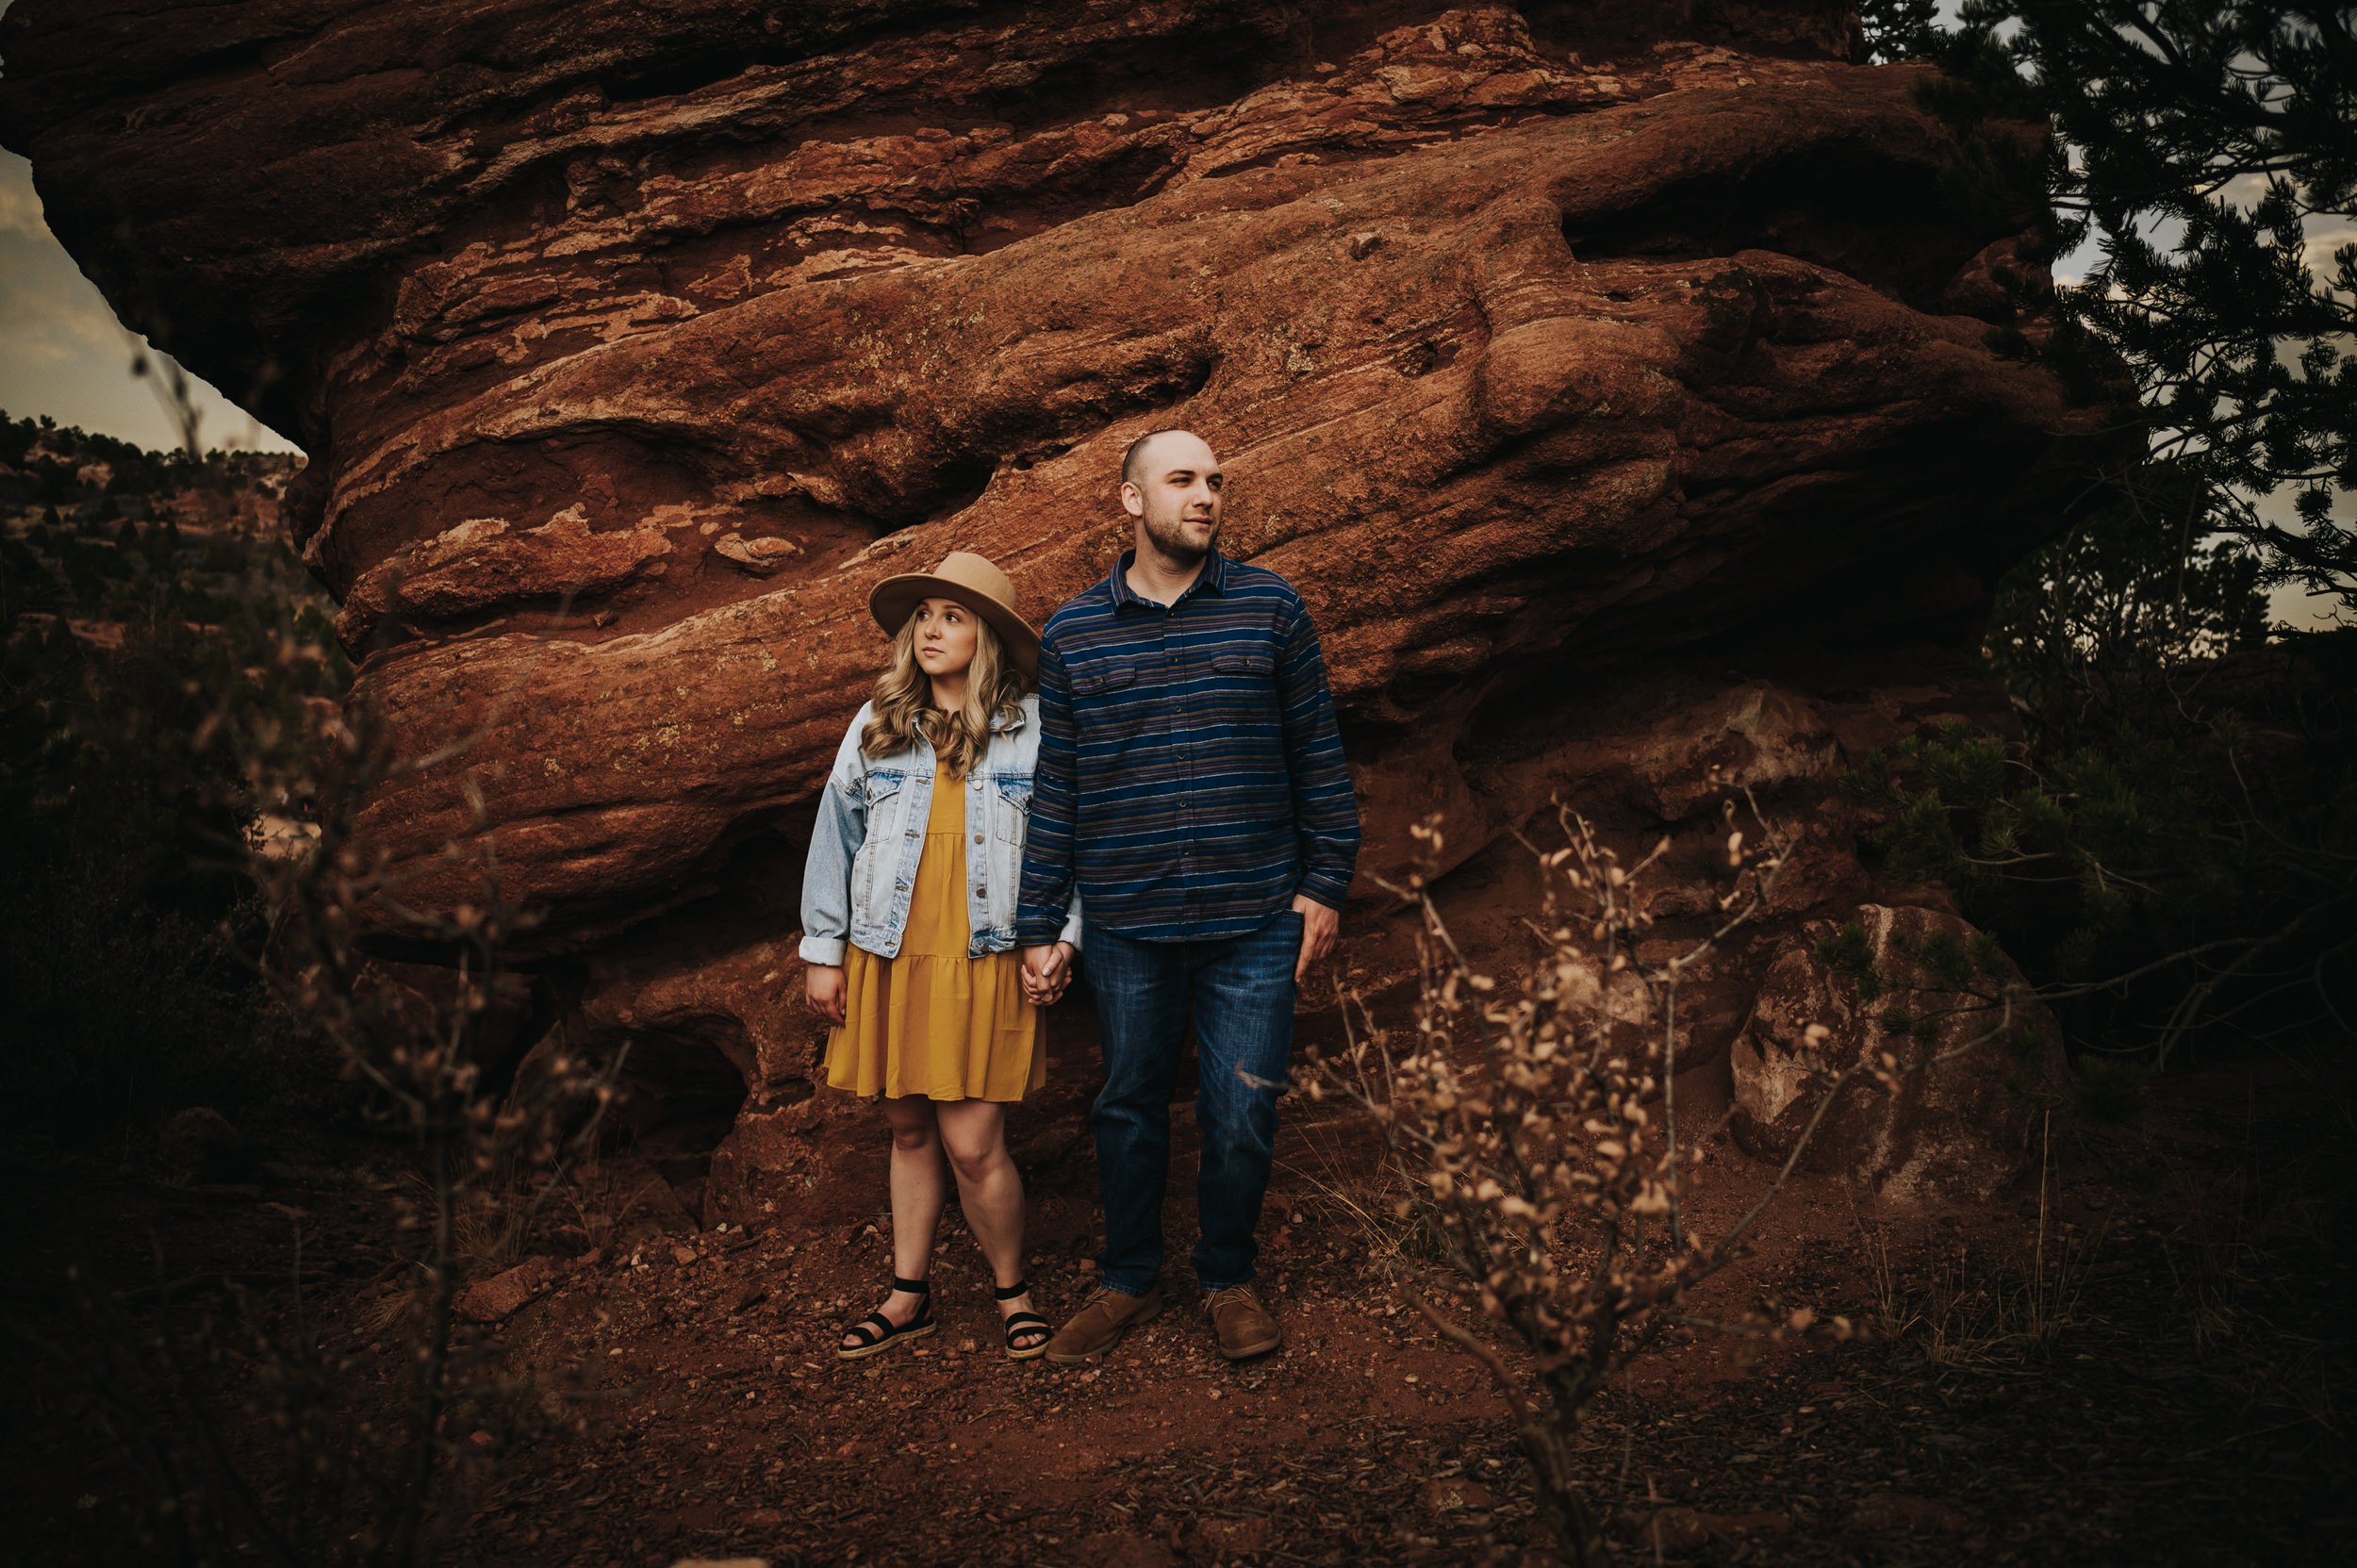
<point>990,1191</point>
<point>918,1194</point>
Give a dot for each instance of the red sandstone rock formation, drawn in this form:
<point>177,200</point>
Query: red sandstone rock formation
<point>1585,364</point>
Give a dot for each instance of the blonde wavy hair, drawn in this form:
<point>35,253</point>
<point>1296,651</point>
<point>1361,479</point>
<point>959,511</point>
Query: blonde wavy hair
<point>994,689</point>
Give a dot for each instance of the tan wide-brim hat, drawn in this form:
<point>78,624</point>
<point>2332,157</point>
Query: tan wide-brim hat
<point>973,582</point>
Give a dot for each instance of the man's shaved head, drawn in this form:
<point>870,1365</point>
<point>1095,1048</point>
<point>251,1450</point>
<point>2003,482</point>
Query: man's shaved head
<point>1135,456</point>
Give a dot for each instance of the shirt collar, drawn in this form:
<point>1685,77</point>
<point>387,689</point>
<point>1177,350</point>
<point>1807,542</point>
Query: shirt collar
<point>1212,579</point>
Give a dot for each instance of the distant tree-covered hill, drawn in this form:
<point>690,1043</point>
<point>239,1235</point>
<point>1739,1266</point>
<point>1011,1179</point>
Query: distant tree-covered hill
<point>169,681</point>
<point>99,532</point>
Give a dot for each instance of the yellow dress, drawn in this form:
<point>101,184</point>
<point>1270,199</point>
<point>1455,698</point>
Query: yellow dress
<point>933,1021</point>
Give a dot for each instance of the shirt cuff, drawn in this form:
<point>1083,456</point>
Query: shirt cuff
<point>825,951</point>
<point>1326,888</point>
<point>1032,931</point>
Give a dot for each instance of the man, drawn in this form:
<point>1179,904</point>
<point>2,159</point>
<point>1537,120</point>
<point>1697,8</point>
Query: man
<point>1191,779</point>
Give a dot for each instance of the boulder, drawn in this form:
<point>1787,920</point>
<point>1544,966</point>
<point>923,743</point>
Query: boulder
<point>1950,1116</point>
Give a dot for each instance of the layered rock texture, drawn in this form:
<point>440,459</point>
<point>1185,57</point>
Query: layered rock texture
<point>1623,386</point>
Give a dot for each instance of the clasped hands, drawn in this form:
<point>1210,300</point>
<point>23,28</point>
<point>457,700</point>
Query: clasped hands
<point>1048,968</point>
<point>1047,972</point>
<point>1047,975</point>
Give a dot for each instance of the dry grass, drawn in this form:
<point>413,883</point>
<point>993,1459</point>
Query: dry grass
<point>1963,1312</point>
<point>595,1204</point>
<point>1363,1205</point>
<point>2229,1264</point>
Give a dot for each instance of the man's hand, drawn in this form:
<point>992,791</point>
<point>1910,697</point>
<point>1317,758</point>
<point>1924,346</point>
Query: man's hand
<point>1319,922</point>
<point>823,989</point>
<point>1047,972</point>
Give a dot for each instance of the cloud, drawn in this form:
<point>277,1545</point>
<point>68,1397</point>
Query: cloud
<point>19,207</point>
<point>50,312</point>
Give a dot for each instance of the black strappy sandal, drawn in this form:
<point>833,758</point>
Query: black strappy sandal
<point>877,1330</point>
<point>1024,1322</point>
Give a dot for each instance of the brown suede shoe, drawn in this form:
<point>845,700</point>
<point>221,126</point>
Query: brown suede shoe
<point>1099,1324</point>
<point>1244,1326</point>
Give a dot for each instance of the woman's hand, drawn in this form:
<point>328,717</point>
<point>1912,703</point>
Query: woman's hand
<point>1047,972</point>
<point>823,988</point>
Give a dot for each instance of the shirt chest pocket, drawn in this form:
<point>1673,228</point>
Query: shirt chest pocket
<point>1256,664</point>
<point>1243,684</point>
<point>1108,701</point>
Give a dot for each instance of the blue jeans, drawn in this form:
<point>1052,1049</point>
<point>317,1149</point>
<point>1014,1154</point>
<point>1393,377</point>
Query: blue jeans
<point>1240,991</point>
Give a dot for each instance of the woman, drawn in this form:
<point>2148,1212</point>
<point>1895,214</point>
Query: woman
<point>908,927</point>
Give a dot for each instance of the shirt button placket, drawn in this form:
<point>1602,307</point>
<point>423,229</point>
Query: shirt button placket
<point>1182,728</point>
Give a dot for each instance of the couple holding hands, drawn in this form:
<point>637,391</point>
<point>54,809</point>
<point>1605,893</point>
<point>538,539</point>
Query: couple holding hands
<point>1155,779</point>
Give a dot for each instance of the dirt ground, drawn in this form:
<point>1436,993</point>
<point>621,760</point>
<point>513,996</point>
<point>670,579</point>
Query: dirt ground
<point>2157,1374</point>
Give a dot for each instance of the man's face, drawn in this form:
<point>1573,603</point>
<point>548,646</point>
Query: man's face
<point>1176,495</point>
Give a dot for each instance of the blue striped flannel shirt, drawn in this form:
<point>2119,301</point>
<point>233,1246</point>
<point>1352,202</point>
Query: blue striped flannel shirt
<point>1190,773</point>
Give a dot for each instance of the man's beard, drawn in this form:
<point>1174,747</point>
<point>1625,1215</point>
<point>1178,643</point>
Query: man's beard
<point>1172,541</point>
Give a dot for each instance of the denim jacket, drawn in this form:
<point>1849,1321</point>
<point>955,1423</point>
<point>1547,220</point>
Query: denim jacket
<point>871,829</point>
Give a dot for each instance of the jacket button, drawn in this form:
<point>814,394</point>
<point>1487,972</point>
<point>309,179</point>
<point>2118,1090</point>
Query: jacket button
<point>978,838</point>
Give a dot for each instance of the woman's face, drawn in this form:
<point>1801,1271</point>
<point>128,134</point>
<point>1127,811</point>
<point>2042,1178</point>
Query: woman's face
<point>943,636</point>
